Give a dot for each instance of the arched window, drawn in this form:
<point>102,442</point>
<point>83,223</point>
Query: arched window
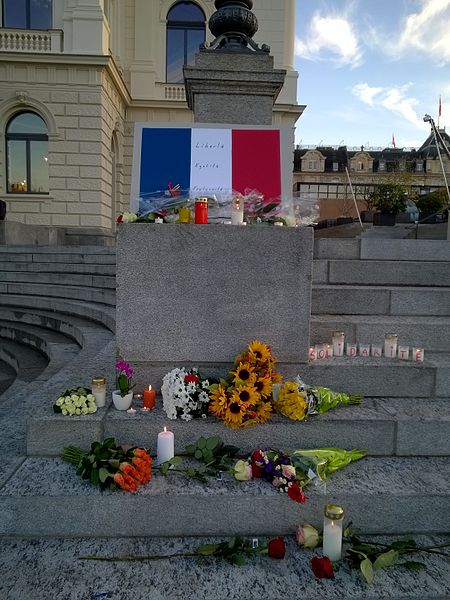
<point>27,14</point>
<point>185,33</point>
<point>27,154</point>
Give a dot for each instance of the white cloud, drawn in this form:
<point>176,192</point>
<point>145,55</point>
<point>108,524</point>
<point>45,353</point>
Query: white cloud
<point>394,99</point>
<point>330,35</point>
<point>427,30</point>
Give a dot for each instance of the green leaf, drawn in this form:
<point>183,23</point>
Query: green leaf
<point>238,560</point>
<point>191,472</point>
<point>212,442</point>
<point>367,570</point>
<point>176,461</point>
<point>403,545</point>
<point>201,443</point>
<point>95,477</point>
<point>191,449</point>
<point>164,468</point>
<point>413,565</point>
<point>387,559</point>
<point>207,549</point>
<point>103,474</point>
<point>198,454</point>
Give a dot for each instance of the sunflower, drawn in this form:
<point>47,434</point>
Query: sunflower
<point>291,402</point>
<point>259,352</point>
<point>234,415</point>
<point>263,386</point>
<point>245,395</point>
<point>263,412</point>
<point>243,373</point>
<point>219,401</point>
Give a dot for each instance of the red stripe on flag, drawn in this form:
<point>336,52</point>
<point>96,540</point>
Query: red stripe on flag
<point>256,162</point>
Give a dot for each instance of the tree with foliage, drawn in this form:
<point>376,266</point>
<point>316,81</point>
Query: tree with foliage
<point>389,198</point>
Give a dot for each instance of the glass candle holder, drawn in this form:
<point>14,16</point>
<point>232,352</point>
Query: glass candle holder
<point>98,385</point>
<point>312,353</point>
<point>351,350</point>
<point>321,351</point>
<point>377,350</point>
<point>364,349</point>
<point>237,211</point>
<point>390,345</point>
<point>403,352</point>
<point>328,351</point>
<point>417,354</point>
<point>338,341</point>
<point>201,211</point>
<point>184,215</point>
<point>332,531</point>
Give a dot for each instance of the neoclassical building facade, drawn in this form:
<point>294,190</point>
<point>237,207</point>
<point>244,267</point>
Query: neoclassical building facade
<point>76,75</point>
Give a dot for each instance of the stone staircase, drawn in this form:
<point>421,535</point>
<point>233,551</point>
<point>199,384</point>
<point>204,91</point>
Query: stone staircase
<point>402,487</point>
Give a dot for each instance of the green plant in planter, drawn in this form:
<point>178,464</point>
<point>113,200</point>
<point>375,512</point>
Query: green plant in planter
<point>389,198</point>
<point>432,203</point>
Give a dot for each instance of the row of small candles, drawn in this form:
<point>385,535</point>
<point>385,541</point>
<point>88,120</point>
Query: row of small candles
<point>391,349</point>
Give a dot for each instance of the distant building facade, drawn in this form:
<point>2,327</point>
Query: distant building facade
<point>76,75</point>
<point>322,171</point>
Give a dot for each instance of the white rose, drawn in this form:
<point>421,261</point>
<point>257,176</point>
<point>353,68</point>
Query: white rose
<point>64,411</point>
<point>78,411</point>
<point>90,397</point>
<point>84,411</point>
<point>74,397</point>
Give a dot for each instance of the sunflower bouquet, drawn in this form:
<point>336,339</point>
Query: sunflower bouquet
<point>245,398</point>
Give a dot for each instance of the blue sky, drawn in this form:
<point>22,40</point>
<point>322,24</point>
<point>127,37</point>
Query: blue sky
<point>370,69</point>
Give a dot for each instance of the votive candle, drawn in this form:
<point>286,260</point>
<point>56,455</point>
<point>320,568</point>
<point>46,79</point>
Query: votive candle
<point>329,351</point>
<point>332,531</point>
<point>321,351</point>
<point>149,398</point>
<point>364,349</point>
<point>377,350</point>
<point>403,352</point>
<point>417,354</point>
<point>237,211</point>
<point>165,448</point>
<point>338,340</point>
<point>184,215</point>
<point>312,353</point>
<point>276,387</point>
<point>390,345</point>
<point>351,349</point>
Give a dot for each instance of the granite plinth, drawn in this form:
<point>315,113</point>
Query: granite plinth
<point>194,294</point>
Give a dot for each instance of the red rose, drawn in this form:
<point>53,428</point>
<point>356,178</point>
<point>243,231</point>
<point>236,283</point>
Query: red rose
<point>256,471</point>
<point>191,379</point>
<point>257,457</point>
<point>296,493</point>
<point>277,548</point>
<point>322,567</point>
<point>120,218</point>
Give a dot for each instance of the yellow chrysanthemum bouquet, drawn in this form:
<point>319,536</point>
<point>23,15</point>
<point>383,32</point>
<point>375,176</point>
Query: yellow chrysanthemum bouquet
<point>245,399</point>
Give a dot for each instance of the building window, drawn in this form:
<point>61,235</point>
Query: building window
<point>312,165</point>
<point>382,166</point>
<point>419,166</point>
<point>27,154</point>
<point>335,167</point>
<point>27,14</point>
<point>185,33</point>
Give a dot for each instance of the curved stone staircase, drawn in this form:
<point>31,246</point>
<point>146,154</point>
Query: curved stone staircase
<point>57,314</point>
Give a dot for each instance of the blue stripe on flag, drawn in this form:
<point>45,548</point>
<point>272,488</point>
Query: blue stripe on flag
<point>165,157</point>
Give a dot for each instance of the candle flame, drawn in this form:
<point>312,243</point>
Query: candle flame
<point>149,388</point>
<point>165,429</point>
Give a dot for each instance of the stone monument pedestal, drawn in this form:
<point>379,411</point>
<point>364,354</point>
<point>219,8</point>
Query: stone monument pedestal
<point>195,296</point>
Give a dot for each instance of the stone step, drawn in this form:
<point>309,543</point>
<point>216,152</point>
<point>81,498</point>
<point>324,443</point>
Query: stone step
<point>367,300</point>
<point>389,426</point>
<point>381,272</point>
<point>382,495</point>
<point>27,362</point>
<point>59,267</point>
<point>89,311</point>
<point>431,333</point>
<point>69,278</point>
<point>7,373</point>
<point>57,255</point>
<point>89,294</point>
<point>387,249</point>
<point>202,579</point>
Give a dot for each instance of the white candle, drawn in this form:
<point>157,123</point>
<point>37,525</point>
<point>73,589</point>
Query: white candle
<point>329,351</point>
<point>351,350</point>
<point>237,211</point>
<point>377,350</point>
<point>159,220</point>
<point>312,353</point>
<point>417,354</point>
<point>131,411</point>
<point>165,449</point>
<point>276,387</point>
<point>321,351</point>
<point>364,349</point>
<point>390,345</point>
<point>338,343</point>
<point>403,352</point>
<point>332,531</point>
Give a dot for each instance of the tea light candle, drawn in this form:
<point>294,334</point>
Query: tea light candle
<point>417,354</point>
<point>377,350</point>
<point>364,349</point>
<point>159,220</point>
<point>131,411</point>
<point>403,352</point>
<point>390,345</point>
<point>237,211</point>
<point>338,343</point>
<point>165,448</point>
<point>332,531</point>
<point>149,398</point>
<point>351,349</point>
<point>312,353</point>
<point>321,351</point>
<point>329,351</point>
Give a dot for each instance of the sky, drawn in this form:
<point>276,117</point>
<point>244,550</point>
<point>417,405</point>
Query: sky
<point>371,69</point>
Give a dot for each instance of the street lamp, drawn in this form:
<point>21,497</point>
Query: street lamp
<point>438,140</point>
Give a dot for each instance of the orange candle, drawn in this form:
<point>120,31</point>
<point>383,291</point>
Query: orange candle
<point>149,398</point>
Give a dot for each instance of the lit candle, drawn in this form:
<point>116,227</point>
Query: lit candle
<point>390,345</point>
<point>377,350</point>
<point>184,215</point>
<point>237,211</point>
<point>312,353</point>
<point>149,398</point>
<point>321,351</point>
<point>159,220</point>
<point>338,343</point>
<point>351,349</point>
<point>417,354</point>
<point>165,449</point>
<point>332,531</point>
<point>329,351</point>
<point>99,390</point>
<point>364,349</point>
<point>131,411</point>
<point>403,352</point>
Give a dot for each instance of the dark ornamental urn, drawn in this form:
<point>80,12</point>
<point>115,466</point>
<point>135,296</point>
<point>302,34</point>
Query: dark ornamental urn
<point>233,24</point>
